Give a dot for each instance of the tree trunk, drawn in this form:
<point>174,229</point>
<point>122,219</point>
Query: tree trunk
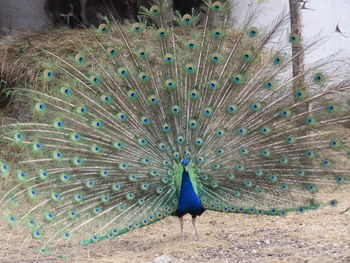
<point>297,28</point>
<point>298,65</point>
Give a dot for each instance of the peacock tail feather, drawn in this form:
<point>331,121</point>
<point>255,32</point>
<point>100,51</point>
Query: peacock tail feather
<point>100,153</point>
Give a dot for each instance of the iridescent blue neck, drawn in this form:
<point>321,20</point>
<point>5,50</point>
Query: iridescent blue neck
<point>188,200</point>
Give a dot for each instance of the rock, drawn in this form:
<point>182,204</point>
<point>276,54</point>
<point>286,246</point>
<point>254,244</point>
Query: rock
<point>162,259</point>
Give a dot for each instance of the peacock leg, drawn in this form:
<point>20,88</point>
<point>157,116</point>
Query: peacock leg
<point>195,229</point>
<point>182,228</point>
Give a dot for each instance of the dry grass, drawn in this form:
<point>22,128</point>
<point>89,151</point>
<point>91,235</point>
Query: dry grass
<point>19,53</point>
<point>23,56</point>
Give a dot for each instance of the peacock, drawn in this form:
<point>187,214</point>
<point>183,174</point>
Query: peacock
<point>128,123</point>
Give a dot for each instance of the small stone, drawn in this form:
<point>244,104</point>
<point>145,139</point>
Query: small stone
<point>162,259</point>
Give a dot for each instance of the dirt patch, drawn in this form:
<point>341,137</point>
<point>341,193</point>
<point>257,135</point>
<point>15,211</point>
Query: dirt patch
<point>314,236</point>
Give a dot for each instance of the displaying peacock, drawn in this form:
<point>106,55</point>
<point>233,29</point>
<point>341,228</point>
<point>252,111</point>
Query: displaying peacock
<point>131,123</point>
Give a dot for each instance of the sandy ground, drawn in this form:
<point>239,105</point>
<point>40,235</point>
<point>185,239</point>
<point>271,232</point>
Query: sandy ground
<point>314,236</point>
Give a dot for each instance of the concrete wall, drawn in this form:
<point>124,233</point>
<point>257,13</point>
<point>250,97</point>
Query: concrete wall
<point>22,15</point>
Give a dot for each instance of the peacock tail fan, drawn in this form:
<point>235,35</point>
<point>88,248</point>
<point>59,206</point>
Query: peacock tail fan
<point>100,153</point>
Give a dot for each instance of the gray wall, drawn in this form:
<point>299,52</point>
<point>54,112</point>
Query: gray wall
<point>22,15</point>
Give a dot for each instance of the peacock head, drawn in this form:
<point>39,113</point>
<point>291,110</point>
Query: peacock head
<point>185,162</point>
